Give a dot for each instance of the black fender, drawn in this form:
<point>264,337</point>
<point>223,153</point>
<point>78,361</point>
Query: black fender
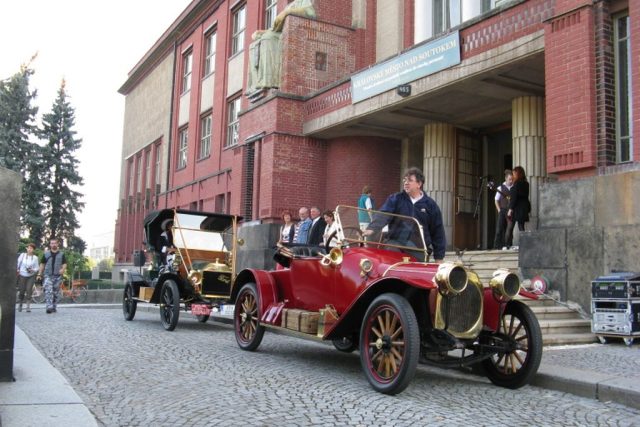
<point>351,320</point>
<point>155,298</point>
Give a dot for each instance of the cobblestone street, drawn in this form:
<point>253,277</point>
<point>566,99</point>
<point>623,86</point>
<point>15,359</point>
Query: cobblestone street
<point>137,374</point>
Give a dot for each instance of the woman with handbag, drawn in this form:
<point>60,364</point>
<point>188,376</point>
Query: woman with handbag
<point>27,269</point>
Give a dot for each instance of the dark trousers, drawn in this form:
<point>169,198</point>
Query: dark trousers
<point>503,236</point>
<point>509,234</point>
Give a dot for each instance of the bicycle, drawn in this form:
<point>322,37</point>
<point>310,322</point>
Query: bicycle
<point>37,294</point>
<point>77,293</point>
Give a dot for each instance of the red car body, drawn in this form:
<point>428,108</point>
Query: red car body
<point>396,308</point>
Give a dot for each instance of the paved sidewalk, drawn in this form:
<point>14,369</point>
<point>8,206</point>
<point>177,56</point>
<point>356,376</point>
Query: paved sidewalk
<point>40,395</point>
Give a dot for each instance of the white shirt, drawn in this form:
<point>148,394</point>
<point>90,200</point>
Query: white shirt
<point>28,265</point>
<point>328,231</point>
<point>498,195</point>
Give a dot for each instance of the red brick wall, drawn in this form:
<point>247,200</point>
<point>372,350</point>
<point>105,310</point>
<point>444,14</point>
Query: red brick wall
<point>337,12</point>
<point>353,162</point>
<point>301,39</point>
<point>570,89</point>
<point>605,86</point>
<point>634,18</point>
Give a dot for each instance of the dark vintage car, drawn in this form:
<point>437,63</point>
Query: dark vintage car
<point>199,271</point>
<point>377,294</point>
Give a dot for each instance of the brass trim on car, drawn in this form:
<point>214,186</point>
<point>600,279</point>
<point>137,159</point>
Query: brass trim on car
<point>505,284</point>
<point>463,301</point>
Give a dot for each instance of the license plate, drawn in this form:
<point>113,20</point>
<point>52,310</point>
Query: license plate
<point>200,310</point>
<point>227,309</point>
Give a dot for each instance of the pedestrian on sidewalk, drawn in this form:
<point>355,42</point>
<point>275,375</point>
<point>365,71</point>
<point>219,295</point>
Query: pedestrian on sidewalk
<point>53,264</point>
<point>27,269</point>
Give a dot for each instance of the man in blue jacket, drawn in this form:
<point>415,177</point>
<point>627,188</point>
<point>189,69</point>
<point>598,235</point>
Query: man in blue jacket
<point>414,203</point>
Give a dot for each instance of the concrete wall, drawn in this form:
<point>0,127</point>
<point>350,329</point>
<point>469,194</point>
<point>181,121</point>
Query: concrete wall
<point>588,228</point>
<point>10,192</point>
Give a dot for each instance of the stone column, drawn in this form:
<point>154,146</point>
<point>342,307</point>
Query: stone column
<point>10,193</point>
<point>439,151</point>
<point>529,146</point>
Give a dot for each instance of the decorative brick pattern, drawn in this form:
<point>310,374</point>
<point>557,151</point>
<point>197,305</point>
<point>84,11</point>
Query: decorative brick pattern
<point>505,27</point>
<point>328,101</point>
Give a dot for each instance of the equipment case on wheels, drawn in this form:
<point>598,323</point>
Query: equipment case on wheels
<point>615,306</point>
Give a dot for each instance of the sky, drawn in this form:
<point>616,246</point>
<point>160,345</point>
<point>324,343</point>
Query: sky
<point>92,46</point>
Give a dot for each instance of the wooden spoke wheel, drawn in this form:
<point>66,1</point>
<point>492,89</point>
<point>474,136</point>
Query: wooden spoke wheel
<point>169,305</point>
<point>389,343</point>
<point>247,326</point>
<point>520,330</point>
<point>129,305</point>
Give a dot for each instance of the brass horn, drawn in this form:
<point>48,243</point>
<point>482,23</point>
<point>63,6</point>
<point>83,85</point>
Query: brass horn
<point>195,277</point>
<point>334,257</point>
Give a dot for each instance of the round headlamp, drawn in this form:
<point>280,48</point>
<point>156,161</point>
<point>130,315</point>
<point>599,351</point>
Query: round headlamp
<point>451,278</point>
<point>505,283</point>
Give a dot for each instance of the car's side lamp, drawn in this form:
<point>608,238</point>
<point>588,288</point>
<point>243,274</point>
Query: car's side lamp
<point>240,242</point>
<point>334,257</point>
<point>365,267</point>
<point>505,284</point>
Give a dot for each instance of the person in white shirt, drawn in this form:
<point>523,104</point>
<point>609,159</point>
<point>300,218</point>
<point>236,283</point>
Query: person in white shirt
<point>27,270</point>
<point>330,236</point>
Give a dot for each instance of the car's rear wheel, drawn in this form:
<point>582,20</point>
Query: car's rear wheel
<point>520,328</point>
<point>389,343</point>
<point>129,305</point>
<point>344,344</point>
<point>246,318</point>
<point>169,305</point>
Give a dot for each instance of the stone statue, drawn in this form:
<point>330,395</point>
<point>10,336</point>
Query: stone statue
<point>265,52</point>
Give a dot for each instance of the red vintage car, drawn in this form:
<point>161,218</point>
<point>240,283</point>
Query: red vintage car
<point>379,295</point>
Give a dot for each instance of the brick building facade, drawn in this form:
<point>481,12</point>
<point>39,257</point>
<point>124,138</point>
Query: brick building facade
<point>553,85</point>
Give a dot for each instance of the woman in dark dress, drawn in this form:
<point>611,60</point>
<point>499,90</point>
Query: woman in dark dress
<point>519,205</point>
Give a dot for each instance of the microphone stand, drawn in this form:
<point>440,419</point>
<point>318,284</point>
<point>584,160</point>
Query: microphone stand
<point>481,180</point>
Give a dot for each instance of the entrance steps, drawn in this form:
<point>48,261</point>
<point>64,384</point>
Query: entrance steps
<point>559,324</point>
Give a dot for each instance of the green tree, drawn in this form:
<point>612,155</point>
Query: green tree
<point>63,202</point>
<point>17,118</point>
<point>76,244</point>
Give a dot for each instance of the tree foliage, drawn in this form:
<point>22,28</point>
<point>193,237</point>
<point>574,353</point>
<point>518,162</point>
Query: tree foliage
<point>17,152</point>
<point>61,144</point>
<point>46,159</point>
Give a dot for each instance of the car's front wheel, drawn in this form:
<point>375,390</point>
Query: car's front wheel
<point>246,318</point>
<point>129,305</point>
<point>389,343</point>
<point>520,330</point>
<point>169,305</point>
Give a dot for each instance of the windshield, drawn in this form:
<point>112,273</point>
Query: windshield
<point>384,231</point>
<point>188,235</point>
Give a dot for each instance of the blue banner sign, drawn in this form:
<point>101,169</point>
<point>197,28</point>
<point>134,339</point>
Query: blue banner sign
<point>412,65</point>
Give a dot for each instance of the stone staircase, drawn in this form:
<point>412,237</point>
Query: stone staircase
<point>559,324</point>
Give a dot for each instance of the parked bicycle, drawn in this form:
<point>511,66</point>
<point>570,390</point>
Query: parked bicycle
<point>77,293</point>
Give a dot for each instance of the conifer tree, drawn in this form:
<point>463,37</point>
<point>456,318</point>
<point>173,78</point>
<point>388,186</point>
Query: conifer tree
<point>17,152</point>
<point>63,201</point>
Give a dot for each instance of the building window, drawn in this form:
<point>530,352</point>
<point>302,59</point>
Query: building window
<point>270,9</point>
<point>237,37</point>
<point>147,169</point>
<point>232,123</point>
<point>131,177</point>
<point>139,173</point>
<point>451,13</point>
<point>205,137</point>
<point>622,55</point>
<point>182,149</point>
<point>187,68</point>
<point>210,53</point>
<point>158,160</point>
